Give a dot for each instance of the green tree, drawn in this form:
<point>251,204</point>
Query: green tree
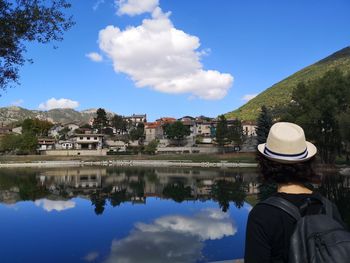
<point>21,22</point>
<point>151,147</point>
<point>10,143</point>
<point>63,134</point>
<point>221,131</point>
<point>36,127</point>
<point>235,132</point>
<point>28,143</point>
<point>264,123</point>
<point>344,125</point>
<point>108,131</point>
<point>319,106</point>
<point>21,144</point>
<point>138,133</point>
<point>100,121</point>
<point>85,126</point>
<point>334,187</point>
<point>119,123</point>
<point>177,131</point>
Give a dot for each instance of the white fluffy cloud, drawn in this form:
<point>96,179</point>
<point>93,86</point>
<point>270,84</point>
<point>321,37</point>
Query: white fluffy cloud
<point>136,7</point>
<point>94,57</point>
<point>172,238</point>
<point>50,205</point>
<point>248,97</point>
<point>155,54</point>
<point>62,103</point>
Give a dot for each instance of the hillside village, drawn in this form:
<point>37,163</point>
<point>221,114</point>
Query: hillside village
<point>121,135</point>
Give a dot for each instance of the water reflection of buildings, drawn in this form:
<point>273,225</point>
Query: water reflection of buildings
<point>140,184</point>
<point>74,178</point>
<point>121,184</point>
<point>9,196</point>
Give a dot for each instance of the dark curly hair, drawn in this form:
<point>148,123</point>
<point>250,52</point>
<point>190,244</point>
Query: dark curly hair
<point>284,173</point>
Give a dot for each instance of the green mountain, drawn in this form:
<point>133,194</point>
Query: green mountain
<point>14,114</point>
<point>281,92</point>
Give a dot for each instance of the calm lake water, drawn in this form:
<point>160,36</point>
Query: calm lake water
<point>123,215</point>
<point>103,214</point>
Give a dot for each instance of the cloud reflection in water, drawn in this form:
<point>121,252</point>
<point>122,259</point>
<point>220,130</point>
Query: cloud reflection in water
<point>172,238</point>
<point>49,205</point>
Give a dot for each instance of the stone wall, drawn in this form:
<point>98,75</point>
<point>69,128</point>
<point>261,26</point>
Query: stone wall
<point>163,150</point>
<point>101,152</point>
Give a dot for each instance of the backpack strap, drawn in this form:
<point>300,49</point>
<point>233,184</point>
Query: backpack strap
<point>327,205</point>
<point>284,205</point>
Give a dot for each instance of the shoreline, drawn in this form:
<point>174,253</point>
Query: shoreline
<point>128,163</point>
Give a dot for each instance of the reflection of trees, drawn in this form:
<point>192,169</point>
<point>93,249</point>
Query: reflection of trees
<point>151,176</point>
<point>335,188</point>
<point>127,184</point>
<point>29,190</point>
<point>98,200</point>
<point>225,191</point>
<point>28,186</point>
<point>138,187</point>
<point>177,191</point>
<point>118,197</point>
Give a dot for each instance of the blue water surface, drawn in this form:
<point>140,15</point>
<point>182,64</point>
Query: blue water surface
<point>158,229</point>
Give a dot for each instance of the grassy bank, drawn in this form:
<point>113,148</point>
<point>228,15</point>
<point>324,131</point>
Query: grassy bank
<point>229,157</point>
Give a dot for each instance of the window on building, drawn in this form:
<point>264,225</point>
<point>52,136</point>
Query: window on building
<point>80,138</point>
<point>88,138</point>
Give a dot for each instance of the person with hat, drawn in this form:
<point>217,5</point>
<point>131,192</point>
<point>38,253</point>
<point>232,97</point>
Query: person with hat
<point>285,159</point>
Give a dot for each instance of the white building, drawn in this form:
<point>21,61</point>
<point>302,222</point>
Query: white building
<point>153,130</point>
<point>116,145</point>
<point>204,129</point>
<point>88,141</point>
<point>66,145</point>
<point>249,128</point>
<point>136,118</point>
<point>45,144</point>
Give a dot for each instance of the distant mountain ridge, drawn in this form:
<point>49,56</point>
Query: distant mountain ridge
<point>13,114</point>
<point>281,92</point>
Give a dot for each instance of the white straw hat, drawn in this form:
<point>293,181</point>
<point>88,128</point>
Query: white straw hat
<point>286,144</point>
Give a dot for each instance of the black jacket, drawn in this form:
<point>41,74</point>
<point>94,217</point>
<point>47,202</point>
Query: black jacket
<point>269,229</point>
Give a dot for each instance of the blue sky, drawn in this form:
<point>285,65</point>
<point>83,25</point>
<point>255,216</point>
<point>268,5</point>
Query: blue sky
<point>202,59</point>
